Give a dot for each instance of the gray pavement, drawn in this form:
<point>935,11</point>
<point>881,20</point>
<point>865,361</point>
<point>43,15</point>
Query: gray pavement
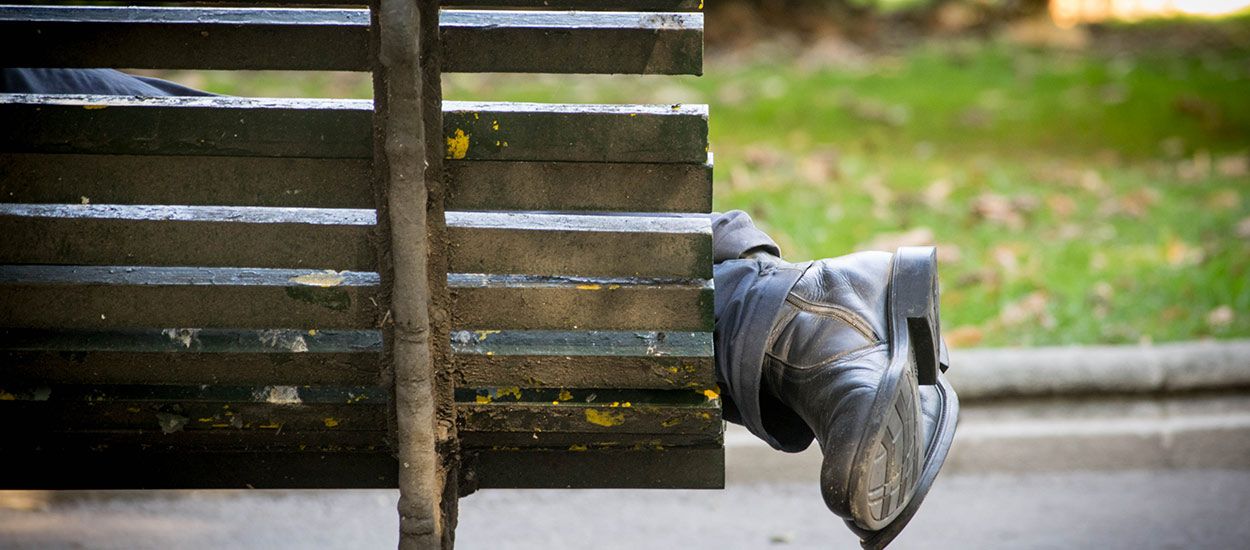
<point>1148,472</point>
<point>1131,509</point>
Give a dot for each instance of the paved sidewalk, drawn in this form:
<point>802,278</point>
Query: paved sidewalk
<point>1191,509</point>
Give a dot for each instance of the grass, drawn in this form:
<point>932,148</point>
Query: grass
<point>1076,197</point>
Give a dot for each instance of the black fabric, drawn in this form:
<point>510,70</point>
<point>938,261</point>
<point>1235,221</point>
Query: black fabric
<point>88,81</point>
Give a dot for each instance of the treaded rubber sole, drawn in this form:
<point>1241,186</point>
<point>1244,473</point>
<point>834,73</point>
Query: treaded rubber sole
<point>891,454</point>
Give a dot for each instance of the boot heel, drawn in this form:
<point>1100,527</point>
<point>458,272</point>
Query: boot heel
<point>914,307</point>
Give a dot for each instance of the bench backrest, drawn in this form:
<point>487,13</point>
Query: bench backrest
<point>188,295</point>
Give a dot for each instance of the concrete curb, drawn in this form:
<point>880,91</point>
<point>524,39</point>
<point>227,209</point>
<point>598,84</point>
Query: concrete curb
<point>979,374</point>
<point>1194,431</point>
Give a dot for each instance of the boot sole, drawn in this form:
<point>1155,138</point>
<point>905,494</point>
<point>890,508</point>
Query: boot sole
<point>891,454</point>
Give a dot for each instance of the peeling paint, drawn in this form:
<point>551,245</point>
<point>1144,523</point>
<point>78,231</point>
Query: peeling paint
<point>325,278</point>
<point>185,336</point>
<point>278,395</point>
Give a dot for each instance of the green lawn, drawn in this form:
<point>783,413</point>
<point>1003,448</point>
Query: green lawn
<point>1075,197</point>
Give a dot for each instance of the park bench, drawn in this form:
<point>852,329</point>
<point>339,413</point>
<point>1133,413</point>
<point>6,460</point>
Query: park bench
<point>439,296</point>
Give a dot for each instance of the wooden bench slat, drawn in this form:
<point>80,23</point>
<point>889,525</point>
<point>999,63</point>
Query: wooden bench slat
<point>676,468</point>
<point>344,183</point>
<point>92,297</point>
<point>579,5</point>
<point>338,39</point>
<point>199,470</point>
<point>237,236</point>
<point>532,359</point>
<point>153,409</point>
<point>695,468</point>
<point>547,359</point>
<point>500,302</point>
<point>319,128</point>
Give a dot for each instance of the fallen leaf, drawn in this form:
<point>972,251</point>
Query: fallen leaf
<point>1243,228</point>
<point>1220,317</point>
<point>1062,205</point>
<point>1177,253</point>
<point>920,236</point>
<point>963,337</point>
<point>1029,309</point>
<point>1227,199</point>
<point>1234,166</point>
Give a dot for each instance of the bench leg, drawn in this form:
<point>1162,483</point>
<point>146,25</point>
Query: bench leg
<point>406,161</point>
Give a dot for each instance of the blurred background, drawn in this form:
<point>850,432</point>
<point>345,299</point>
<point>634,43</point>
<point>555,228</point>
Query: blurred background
<point>1084,167</point>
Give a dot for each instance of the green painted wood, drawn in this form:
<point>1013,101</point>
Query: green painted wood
<point>317,128</point>
<point>498,302</point>
<point>199,470</point>
<point>677,468</point>
<point>191,356</point>
<point>592,186</point>
<point>572,42</point>
<point>185,180</point>
<point>338,39</point>
<point>580,5</point>
<point>108,297</point>
<point>595,133</point>
<point>531,359</point>
<point>89,297</point>
<point>209,236</point>
<point>549,359</point>
<point>342,239</point>
<point>343,183</point>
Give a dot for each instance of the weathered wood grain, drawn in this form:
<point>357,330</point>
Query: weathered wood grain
<point>320,128</point>
<point>342,239</point>
<point>92,297</point>
<point>338,39</point>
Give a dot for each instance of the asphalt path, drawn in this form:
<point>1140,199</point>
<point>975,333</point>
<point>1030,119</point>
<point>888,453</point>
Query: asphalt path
<point>1104,509</point>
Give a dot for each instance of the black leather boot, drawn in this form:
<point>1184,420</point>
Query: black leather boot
<point>857,355</point>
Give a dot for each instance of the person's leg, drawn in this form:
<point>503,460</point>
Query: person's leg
<point>843,351</point>
<point>89,81</point>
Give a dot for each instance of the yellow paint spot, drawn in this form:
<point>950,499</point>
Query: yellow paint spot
<point>312,332</point>
<point>132,409</point>
<point>514,391</point>
<point>206,420</point>
<point>670,422</point>
<point>614,287</point>
<point>672,370</point>
<point>555,402</point>
<point>494,125</point>
<point>700,5</point>
<point>711,394</point>
<point>325,278</point>
<point>458,145</point>
<point>589,287</point>
<point>270,426</point>
<point>94,107</point>
<point>604,418</point>
<point>482,399</point>
<point>482,334</point>
<point>706,416</point>
<point>6,396</point>
<point>330,422</point>
<point>577,448</point>
<point>632,115</point>
<point>476,117</point>
<point>565,395</point>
